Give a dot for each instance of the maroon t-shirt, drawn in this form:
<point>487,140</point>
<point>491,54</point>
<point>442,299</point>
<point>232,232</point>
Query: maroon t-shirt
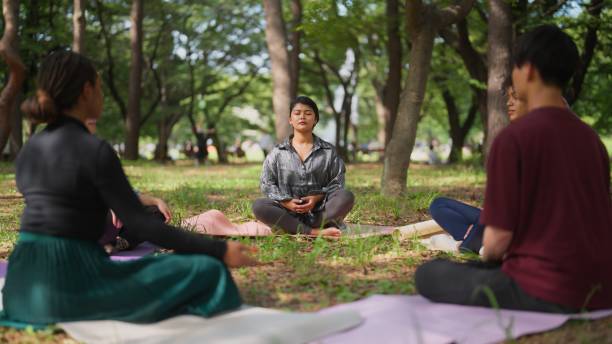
<point>548,181</point>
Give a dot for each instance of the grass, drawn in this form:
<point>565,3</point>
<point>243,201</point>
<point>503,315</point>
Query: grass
<point>300,273</point>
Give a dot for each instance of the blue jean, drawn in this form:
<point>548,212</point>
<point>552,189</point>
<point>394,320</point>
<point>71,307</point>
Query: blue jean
<point>455,218</point>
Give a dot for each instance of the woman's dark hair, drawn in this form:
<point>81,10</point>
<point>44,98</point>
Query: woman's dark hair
<point>306,101</point>
<point>551,51</point>
<point>61,79</point>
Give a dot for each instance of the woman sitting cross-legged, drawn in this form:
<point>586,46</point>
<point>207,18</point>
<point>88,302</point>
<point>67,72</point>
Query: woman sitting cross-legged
<point>303,180</point>
<point>460,220</point>
<point>57,271</point>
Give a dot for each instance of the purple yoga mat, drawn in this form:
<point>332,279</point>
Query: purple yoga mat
<point>3,265</point>
<point>140,251</point>
<point>414,319</point>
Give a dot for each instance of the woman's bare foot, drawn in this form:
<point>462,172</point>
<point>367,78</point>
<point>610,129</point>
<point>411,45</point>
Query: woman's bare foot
<point>330,232</point>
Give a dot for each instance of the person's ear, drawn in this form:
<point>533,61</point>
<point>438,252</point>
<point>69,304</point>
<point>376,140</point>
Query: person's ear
<point>532,73</point>
<point>88,91</point>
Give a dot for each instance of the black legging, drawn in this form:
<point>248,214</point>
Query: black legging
<point>337,206</point>
<point>445,281</point>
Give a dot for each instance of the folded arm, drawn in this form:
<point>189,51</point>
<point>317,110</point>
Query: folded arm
<point>495,243</point>
<point>269,181</point>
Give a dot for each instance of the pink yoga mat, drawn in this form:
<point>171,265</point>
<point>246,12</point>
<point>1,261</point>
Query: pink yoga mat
<point>414,319</point>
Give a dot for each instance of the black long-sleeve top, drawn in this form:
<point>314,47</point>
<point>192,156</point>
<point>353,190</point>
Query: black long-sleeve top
<point>70,178</point>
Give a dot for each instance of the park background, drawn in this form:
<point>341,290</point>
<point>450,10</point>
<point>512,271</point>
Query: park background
<point>393,79</point>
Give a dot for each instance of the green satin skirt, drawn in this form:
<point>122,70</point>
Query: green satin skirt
<point>52,279</point>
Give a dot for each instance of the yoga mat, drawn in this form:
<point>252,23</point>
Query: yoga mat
<point>414,319</point>
<point>441,242</point>
<point>138,252</point>
<point>246,325</point>
<point>142,250</point>
<point>415,230</point>
<point>3,266</point>
<point>205,223</point>
<point>252,325</point>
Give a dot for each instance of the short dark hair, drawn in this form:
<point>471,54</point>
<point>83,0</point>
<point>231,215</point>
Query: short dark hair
<point>306,101</point>
<point>61,79</point>
<point>551,51</point>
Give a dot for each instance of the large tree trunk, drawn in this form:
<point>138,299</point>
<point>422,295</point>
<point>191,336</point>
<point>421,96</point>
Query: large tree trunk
<point>399,148</point>
<point>132,123</point>
<point>294,54</point>
<point>78,26</point>
<point>279,58</point>
<point>393,84</point>
<point>10,55</point>
<point>499,41</point>
<point>423,22</point>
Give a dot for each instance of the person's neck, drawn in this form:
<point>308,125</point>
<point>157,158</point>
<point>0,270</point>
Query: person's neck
<point>302,138</point>
<point>545,96</point>
<point>77,113</point>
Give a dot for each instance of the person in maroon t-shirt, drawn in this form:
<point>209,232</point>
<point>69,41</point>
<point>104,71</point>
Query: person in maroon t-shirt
<point>547,210</point>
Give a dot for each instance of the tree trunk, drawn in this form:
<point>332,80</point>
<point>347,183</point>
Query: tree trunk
<point>16,75</point>
<point>16,140</point>
<point>423,22</point>
<point>499,41</point>
<point>393,84</point>
<point>294,55</point>
<point>164,129</point>
<point>458,131</point>
<point>347,104</point>
<point>381,114</point>
<point>279,59</point>
<point>399,148</point>
<point>132,122</point>
<point>220,147</point>
<point>78,26</point>
<point>163,135</point>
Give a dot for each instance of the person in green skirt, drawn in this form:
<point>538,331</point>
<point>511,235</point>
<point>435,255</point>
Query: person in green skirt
<point>69,178</point>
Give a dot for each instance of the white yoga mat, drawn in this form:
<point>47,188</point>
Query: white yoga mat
<point>249,325</point>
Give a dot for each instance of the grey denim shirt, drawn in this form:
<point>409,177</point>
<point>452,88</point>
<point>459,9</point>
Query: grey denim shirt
<point>285,176</point>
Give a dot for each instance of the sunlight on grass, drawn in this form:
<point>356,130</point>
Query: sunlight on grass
<point>298,273</point>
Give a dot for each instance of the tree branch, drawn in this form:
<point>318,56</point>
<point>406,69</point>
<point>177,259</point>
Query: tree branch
<point>153,70</point>
<point>110,71</point>
<point>453,13</point>
<point>590,43</point>
<point>227,100</point>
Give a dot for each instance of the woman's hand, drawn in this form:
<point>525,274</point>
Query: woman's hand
<point>237,255</point>
<point>156,202</point>
<point>164,209</point>
<point>309,202</point>
<point>302,205</point>
<point>292,204</point>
